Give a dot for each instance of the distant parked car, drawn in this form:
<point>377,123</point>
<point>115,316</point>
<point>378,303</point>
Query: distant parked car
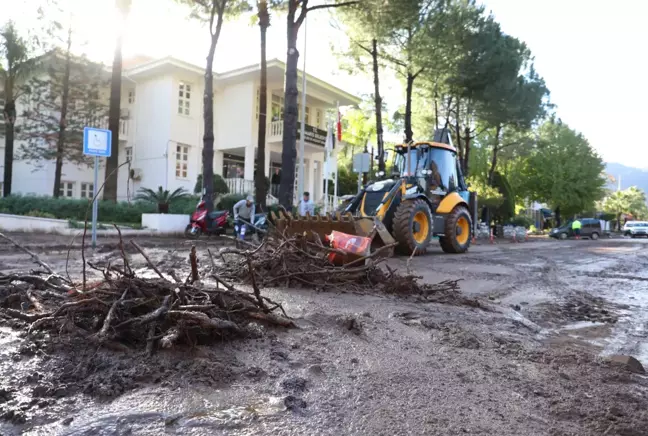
<point>635,228</point>
<point>590,228</point>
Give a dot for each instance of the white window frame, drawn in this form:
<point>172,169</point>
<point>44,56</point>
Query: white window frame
<point>318,118</point>
<point>277,102</point>
<point>184,98</point>
<point>131,96</point>
<point>182,161</point>
<point>87,190</point>
<point>67,189</point>
<point>308,115</point>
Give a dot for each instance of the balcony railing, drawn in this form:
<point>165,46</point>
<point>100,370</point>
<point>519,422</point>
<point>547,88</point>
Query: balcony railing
<point>240,186</point>
<point>314,135</point>
<point>245,187</point>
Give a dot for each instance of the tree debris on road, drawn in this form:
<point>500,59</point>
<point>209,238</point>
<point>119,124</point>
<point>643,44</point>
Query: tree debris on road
<point>124,311</point>
<point>281,261</point>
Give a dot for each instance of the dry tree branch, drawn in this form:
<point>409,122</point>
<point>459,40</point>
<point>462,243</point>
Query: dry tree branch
<point>148,260</point>
<point>34,257</point>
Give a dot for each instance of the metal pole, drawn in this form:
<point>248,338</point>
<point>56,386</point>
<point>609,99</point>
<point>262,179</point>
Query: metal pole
<point>327,170</point>
<point>359,182</point>
<point>300,176</point>
<point>95,205</point>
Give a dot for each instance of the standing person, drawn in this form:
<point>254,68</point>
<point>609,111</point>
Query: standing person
<point>275,181</point>
<point>306,206</point>
<point>576,228</point>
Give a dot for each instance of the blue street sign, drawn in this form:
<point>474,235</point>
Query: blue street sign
<point>97,142</point>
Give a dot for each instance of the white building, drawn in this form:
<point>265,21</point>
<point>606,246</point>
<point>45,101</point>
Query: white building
<point>162,128</point>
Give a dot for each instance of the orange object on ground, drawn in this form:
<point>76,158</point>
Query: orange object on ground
<point>352,244</point>
<point>355,246</point>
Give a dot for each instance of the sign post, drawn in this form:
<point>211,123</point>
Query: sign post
<point>361,164</point>
<point>97,143</point>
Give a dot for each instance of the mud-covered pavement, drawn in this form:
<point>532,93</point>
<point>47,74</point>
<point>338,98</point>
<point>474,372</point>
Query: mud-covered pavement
<point>531,364</point>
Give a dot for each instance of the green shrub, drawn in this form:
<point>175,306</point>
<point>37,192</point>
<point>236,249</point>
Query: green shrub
<point>73,209</point>
<point>522,221</point>
<point>227,202</point>
<point>39,214</point>
<point>220,187</point>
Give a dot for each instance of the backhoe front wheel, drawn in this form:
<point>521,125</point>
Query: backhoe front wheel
<point>458,231</point>
<point>412,226</point>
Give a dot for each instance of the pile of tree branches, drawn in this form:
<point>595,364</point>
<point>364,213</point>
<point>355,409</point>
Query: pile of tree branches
<point>124,311</point>
<point>281,261</point>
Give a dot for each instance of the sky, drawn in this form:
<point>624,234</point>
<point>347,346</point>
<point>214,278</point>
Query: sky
<point>591,54</point>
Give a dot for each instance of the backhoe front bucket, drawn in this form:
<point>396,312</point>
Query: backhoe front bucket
<point>313,227</point>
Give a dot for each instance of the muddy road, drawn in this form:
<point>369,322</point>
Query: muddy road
<point>531,363</point>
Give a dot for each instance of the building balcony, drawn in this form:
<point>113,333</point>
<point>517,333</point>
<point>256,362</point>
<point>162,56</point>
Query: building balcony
<point>314,135</point>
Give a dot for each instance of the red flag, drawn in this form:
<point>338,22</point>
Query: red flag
<point>339,127</point>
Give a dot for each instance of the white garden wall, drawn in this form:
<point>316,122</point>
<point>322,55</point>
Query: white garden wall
<point>165,223</point>
<point>19,223</point>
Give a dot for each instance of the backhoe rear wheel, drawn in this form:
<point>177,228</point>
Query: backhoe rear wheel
<point>412,226</point>
<point>458,231</point>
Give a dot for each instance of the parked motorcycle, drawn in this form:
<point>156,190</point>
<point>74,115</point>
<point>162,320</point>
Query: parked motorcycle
<point>216,223</point>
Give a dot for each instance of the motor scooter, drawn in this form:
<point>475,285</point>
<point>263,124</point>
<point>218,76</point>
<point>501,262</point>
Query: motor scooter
<point>216,223</point>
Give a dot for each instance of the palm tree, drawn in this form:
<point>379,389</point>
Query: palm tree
<point>162,197</point>
<point>631,200</point>
<point>260,179</point>
<point>112,162</point>
<point>15,63</point>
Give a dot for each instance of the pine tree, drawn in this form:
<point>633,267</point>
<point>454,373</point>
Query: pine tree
<point>60,103</point>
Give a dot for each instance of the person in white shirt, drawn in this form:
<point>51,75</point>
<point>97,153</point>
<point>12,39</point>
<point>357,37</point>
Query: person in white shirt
<point>244,209</point>
<point>306,206</point>
<point>243,213</point>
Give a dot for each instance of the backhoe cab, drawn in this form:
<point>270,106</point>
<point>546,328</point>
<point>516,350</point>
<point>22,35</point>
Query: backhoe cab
<point>426,196</point>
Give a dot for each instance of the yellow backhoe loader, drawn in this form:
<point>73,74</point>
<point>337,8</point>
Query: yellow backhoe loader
<point>425,197</point>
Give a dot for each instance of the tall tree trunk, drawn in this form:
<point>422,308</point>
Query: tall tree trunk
<point>208,118</point>
<point>289,150</point>
<point>619,221</point>
<point>378,102</point>
<point>9,114</point>
<point>491,172</point>
<point>408,107</point>
<point>260,182</point>
<point>460,150</point>
<point>65,101</point>
<point>436,107</point>
<point>112,162</point>
<point>464,164</point>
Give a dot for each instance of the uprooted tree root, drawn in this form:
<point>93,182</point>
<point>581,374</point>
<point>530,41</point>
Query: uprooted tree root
<point>281,261</point>
<point>123,311</point>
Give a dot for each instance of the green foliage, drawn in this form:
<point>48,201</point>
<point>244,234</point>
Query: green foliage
<point>162,197</point>
<point>227,202</point>
<point>506,210</point>
<point>40,214</point>
<point>487,196</point>
<point>563,171</point>
<point>522,221</point>
<point>72,209</point>
<point>41,127</point>
<point>220,187</point>
<point>629,201</point>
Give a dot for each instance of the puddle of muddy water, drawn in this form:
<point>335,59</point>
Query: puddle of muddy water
<point>153,412</point>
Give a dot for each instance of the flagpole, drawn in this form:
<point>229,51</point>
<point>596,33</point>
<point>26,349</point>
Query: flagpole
<point>337,133</point>
<point>300,176</point>
<point>327,164</point>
